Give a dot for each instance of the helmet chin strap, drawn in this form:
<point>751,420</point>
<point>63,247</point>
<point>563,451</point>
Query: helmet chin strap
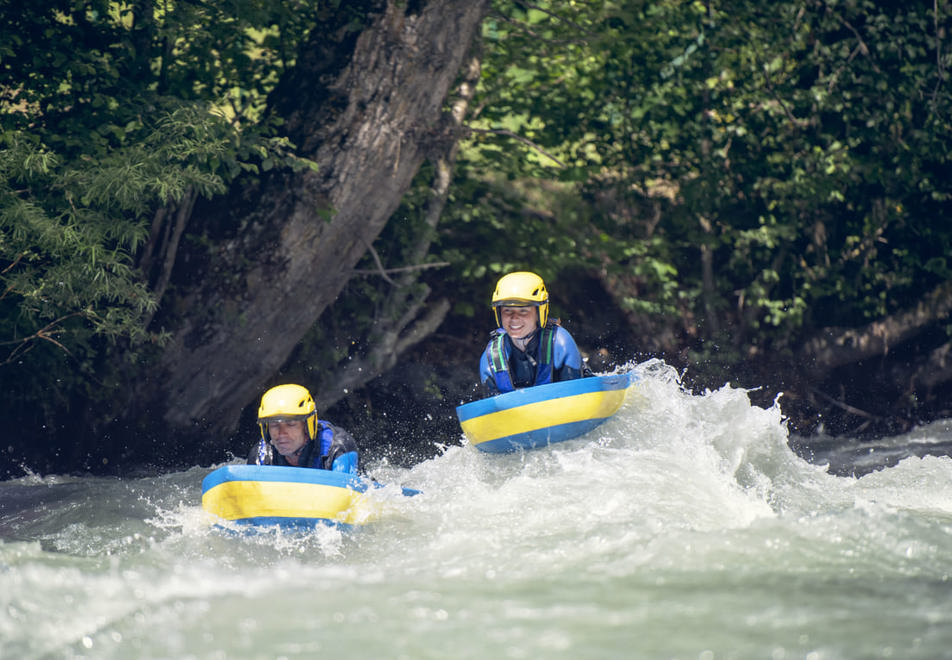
<point>524,340</point>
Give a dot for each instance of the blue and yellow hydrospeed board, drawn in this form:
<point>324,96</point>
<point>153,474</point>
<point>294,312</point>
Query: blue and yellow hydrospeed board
<point>538,416</point>
<point>290,496</point>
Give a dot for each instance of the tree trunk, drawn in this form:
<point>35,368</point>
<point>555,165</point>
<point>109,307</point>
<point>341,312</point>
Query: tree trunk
<point>836,347</point>
<point>405,325</point>
<point>362,103</point>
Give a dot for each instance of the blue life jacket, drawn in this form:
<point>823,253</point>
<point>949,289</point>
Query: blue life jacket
<point>316,452</point>
<point>324,439</point>
<point>499,364</point>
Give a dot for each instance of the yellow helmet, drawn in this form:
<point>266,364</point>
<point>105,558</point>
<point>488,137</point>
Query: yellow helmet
<point>522,289</point>
<point>287,402</point>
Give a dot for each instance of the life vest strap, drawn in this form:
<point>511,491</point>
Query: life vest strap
<point>499,365</point>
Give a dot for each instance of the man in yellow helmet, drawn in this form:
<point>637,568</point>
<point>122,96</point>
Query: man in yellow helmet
<point>291,434</point>
<point>526,349</point>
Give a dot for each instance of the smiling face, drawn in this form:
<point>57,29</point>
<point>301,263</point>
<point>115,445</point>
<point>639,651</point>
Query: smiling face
<point>519,322</point>
<point>287,436</point>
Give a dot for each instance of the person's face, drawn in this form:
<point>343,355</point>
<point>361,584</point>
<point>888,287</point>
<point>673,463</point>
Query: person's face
<point>519,322</point>
<point>287,436</point>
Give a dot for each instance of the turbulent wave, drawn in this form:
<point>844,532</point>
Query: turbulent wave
<point>684,527</point>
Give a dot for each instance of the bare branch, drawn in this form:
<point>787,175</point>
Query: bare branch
<point>937,370</point>
<point>380,269</point>
<point>183,213</point>
<point>526,141</point>
<point>402,269</point>
<point>46,333</point>
<point>13,263</point>
<point>940,66</point>
<point>835,347</point>
<point>845,406</point>
<point>384,353</point>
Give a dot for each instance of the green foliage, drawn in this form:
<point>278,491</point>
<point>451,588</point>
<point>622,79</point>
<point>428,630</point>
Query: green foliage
<point>61,256</point>
<point>779,166</point>
<point>110,112</point>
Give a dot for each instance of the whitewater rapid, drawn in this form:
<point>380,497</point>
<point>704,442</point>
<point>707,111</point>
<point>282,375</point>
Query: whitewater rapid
<point>684,527</point>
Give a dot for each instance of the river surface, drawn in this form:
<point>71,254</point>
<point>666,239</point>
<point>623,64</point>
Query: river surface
<point>685,527</point>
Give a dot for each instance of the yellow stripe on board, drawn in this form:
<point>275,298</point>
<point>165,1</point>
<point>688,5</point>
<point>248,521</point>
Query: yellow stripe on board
<point>235,500</point>
<point>542,414</point>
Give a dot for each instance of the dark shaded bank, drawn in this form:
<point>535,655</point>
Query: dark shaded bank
<point>408,414</point>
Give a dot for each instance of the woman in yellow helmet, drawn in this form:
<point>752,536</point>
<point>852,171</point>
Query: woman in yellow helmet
<point>291,434</point>
<point>526,349</point>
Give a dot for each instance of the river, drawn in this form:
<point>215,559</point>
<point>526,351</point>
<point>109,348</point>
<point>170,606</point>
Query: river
<point>683,528</point>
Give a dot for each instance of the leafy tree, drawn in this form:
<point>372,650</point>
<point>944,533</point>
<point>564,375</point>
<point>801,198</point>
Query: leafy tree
<point>186,139</point>
<point>113,114</point>
<point>794,149</point>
